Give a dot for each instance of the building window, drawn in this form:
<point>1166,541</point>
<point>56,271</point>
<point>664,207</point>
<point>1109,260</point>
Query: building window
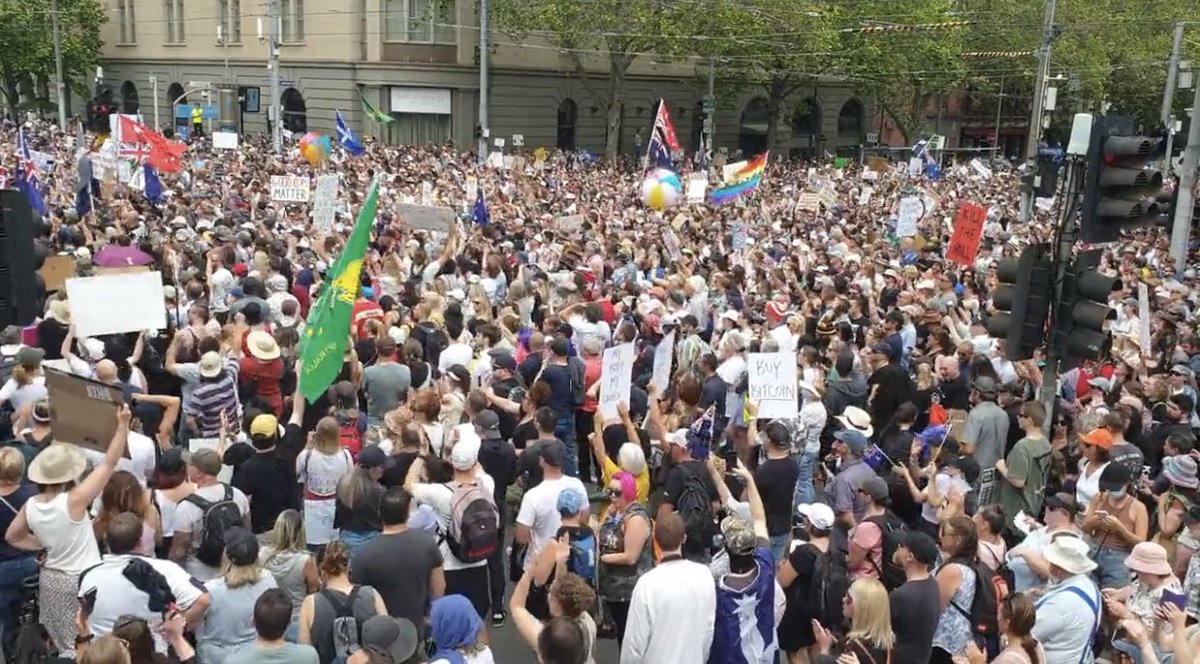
<point>421,21</point>
<point>173,14</point>
<point>129,98</point>
<point>292,20</point>
<point>126,20</point>
<point>850,119</point>
<point>568,117</point>
<point>230,13</point>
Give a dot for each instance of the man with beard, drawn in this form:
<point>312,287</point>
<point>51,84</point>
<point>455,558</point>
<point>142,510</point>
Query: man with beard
<point>1176,412</point>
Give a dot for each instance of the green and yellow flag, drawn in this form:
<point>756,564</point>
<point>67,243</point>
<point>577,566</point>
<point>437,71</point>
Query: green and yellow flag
<point>373,113</point>
<point>327,330</point>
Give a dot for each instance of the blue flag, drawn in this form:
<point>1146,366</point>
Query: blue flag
<point>346,138</point>
<point>154,188</point>
<point>480,213</point>
<point>27,178</point>
<point>86,185</point>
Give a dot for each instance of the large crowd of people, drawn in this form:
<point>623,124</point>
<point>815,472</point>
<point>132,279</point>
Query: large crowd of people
<point>460,476</point>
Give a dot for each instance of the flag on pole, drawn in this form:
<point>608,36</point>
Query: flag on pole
<point>743,181</point>
<point>373,113</point>
<point>480,213</point>
<point>159,152</point>
<point>922,151</point>
<point>346,138</point>
<point>27,175</point>
<point>87,186</point>
<point>327,331</point>
<point>662,137</point>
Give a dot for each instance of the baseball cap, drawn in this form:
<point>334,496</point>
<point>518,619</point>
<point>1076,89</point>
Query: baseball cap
<point>819,515</point>
<point>986,385</point>
<point>264,425</point>
<point>1062,501</point>
<point>465,453</point>
<point>396,636</point>
<point>571,501</point>
<point>853,439</point>
<point>171,461</point>
<point>876,488</point>
<point>553,452</point>
<point>488,424</point>
<point>559,346</point>
<point>921,546</point>
<point>502,359</point>
<point>241,546</point>
<point>739,536</point>
<point>372,456</point>
<point>1114,477</point>
<point>884,348</point>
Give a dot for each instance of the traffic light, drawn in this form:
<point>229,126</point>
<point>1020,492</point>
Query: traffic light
<point>1022,301</point>
<point>100,107</point>
<point>1080,329</point>
<point>1122,185</point>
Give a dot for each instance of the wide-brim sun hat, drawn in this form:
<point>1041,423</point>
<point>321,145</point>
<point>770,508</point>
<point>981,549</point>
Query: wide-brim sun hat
<point>858,419</point>
<point>57,464</point>
<point>1148,558</point>
<point>262,345</point>
<point>1069,553</point>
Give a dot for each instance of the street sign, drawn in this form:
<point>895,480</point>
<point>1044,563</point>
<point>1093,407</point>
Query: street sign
<point>708,103</point>
<point>872,137</point>
<point>192,85</point>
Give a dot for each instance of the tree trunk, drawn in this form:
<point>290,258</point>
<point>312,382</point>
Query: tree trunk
<point>773,109</point>
<point>12,95</point>
<point>618,65</point>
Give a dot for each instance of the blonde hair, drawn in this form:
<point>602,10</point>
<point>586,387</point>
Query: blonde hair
<point>872,619</point>
<point>12,465</point>
<point>326,436</point>
<point>237,576</point>
<point>924,376</point>
<point>106,650</point>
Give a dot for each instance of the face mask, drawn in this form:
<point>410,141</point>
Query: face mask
<point>1118,494</point>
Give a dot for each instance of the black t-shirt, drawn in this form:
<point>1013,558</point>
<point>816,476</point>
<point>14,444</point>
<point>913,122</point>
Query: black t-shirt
<point>955,394</point>
<point>363,517</point>
<point>916,606</point>
<point>776,481</point>
<point>523,433</point>
<point>395,474</point>
<point>498,459</point>
<point>404,587</point>
<point>508,421</point>
<point>268,478</point>
<point>673,487</point>
<point>894,387</point>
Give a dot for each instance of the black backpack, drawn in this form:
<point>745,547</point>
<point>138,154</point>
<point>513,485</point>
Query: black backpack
<point>894,531</point>
<point>828,584</point>
<point>219,517</point>
<point>347,633</point>
<point>577,369</point>
<point>990,588</point>
<point>474,532</point>
<point>694,507</point>
<point>433,341</point>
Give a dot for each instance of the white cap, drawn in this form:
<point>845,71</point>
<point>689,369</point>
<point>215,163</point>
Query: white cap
<point>465,454</point>
<point>819,515</point>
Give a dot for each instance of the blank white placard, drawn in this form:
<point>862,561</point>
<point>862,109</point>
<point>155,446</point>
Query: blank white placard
<point>115,303</point>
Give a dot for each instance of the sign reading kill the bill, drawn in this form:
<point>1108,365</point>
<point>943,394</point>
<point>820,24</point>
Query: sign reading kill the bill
<point>84,411</point>
<point>968,231</point>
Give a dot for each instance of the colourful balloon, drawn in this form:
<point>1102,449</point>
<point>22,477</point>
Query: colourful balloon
<point>661,189</point>
<point>315,148</point>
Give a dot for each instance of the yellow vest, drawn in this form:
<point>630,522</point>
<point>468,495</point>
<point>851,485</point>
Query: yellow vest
<point>197,115</point>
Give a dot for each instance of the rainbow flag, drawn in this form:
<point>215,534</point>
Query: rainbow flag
<point>743,181</point>
<point>753,168</point>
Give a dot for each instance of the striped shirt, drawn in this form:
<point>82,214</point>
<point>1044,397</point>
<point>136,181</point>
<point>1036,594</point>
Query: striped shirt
<point>211,399</point>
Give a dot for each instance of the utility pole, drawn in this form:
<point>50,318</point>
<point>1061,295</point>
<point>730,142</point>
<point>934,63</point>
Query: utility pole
<point>485,40</point>
<point>1187,186</point>
<point>1169,93</point>
<point>276,113</point>
<point>59,86</point>
<point>710,112</point>
<point>999,108</point>
<point>1039,99</point>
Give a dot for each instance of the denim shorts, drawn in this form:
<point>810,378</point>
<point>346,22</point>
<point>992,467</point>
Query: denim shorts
<point>1111,571</point>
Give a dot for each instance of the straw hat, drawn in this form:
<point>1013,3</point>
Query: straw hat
<point>57,464</point>
<point>262,345</point>
<point>1069,553</point>
<point>858,419</point>
<point>210,364</point>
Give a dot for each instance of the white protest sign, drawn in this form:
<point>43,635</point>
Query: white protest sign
<point>499,142</point>
<point>1044,204</point>
<point>137,180</point>
<point>663,354</point>
<point>729,170</point>
<point>225,140</point>
<point>495,160</point>
<point>870,176</point>
<point>140,295</point>
<point>571,223</point>
<point>915,166</point>
<point>773,384</point>
<point>325,201</point>
<point>125,171</point>
<point>472,189</point>
<point>1144,318</point>
<point>981,169</point>
<point>697,186</point>
<point>426,193</point>
<point>809,202</point>
<point>911,208</point>
<point>289,188</point>
<point>864,196</point>
<point>518,140</point>
<point>616,378</point>
<point>426,217</point>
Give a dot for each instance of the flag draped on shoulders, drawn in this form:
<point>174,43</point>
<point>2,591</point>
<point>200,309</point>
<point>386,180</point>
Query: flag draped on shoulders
<point>27,180</point>
<point>327,330</point>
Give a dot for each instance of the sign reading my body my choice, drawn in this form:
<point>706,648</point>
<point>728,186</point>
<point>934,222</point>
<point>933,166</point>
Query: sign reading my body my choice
<point>773,384</point>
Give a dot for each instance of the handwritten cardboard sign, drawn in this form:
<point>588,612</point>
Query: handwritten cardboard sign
<point>83,411</point>
<point>968,231</point>
<point>289,188</point>
<point>426,217</point>
<point>616,378</point>
<point>663,355</point>
<point>773,384</point>
<point>911,209</point>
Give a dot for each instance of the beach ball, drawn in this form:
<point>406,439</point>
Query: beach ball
<point>315,148</point>
<point>661,189</point>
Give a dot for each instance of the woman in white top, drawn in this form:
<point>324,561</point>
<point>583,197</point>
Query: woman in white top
<point>1093,446</point>
<point>56,520</point>
<point>171,486</point>
<point>319,467</point>
<point>27,384</point>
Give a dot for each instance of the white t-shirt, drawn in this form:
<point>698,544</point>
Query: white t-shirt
<point>585,330</point>
<point>219,285</point>
<point>482,657</point>
<point>539,511</point>
<point>141,460</point>
<point>122,598</point>
<point>190,519</point>
<point>438,497</point>
<point>456,353</point>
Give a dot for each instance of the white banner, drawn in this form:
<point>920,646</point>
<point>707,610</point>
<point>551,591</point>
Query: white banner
<point>981,169</point>
<point>697,186</point>
<point>140,295</point>
<point>773,384</point>
<point>664,352</point>
<point>426,217</point>
<point>864,197</point>
<point>225,140</point>
<point>289,188</point>
<point>616,378</point>
<point>911,209</point>
<point>325,201</point>
<point>1144,318</point>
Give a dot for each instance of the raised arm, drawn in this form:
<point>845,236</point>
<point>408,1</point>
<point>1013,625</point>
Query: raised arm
<point>82,495</point>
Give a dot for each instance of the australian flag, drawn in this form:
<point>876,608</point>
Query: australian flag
<point>663,141</point>
<point>480,213</point>
<point>27,178</point>
<point>87,186</point>
<point>928,163</point>
<point>347,139</point>
<point>154,187</point>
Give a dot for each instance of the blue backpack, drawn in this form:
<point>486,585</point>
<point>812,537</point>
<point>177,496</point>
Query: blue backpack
<point>582,559</point>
